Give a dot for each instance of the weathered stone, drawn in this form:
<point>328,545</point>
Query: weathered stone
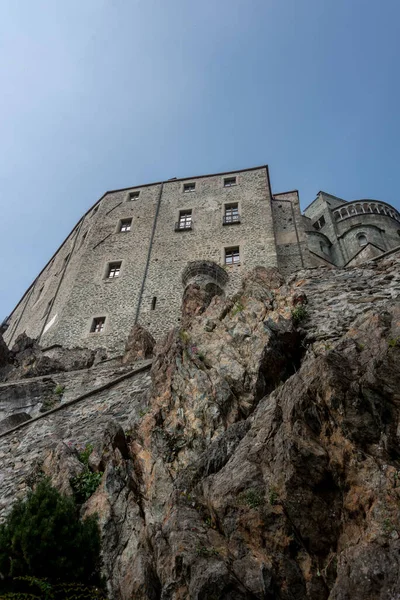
<point>139,345</point>
<point>264,461</point>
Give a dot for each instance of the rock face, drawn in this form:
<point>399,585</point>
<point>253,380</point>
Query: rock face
<point>267,461</point>
<point>30,360</point>
<point>139,345</point>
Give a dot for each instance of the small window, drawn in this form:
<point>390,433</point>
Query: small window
<point>232,256</point>
<point>185,220</point>
<point>362,239</point>
<point>231,214</point>
<point>229,181</point>
<point>189,187</point>
<point>98,325</point>
<point>125,225</point>
<point>133,195</point>
<point>153,303</point>
<point>114,270</point>
<point>320,223</point>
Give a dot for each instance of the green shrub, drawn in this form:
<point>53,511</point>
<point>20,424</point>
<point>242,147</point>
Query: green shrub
<point>392,343</point>
<point>299,314</point>
<point>59,389</point>
<point>44,539</point>
<point>87,482</point>
<point>252,498</point>
<point>237,308</point>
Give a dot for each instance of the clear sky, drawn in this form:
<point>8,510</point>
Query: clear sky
<point>104,94</point>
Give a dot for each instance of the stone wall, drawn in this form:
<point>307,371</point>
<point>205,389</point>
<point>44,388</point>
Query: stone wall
<point>172,250</point>
<point>74,289</point>
<point>75,424</point>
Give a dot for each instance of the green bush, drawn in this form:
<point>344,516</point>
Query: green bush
<point>299,314</point>
<point>44,539</point>
<point>87,482</point>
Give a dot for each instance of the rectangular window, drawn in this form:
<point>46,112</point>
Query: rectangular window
<point>133,195</point>
<point>229,181</point>
<point>232,256</point>
<point>189,187</point>
<point>185,220</point>
<point>231,214</point>
<point>114,270</point>
<point>98,325</point>
<point>125,225</point>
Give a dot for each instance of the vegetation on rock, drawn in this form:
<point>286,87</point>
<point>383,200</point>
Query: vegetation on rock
<point>46,550</point>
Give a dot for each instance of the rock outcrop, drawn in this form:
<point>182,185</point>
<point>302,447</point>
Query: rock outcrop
<point>266,461</point>
<point>139,345</point>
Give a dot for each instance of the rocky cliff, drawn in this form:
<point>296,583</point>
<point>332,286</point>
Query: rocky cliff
<point>263,461</point>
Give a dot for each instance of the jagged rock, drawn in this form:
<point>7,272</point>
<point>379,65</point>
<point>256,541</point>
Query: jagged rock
<point>139,345</point>
<point>4,353</point>
<point>266,464</point>
<point>30,360</point>
<point>22,343</point>
<point>61,464</point>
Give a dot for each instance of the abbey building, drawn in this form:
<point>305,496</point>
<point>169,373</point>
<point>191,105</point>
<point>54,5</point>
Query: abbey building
<point>130,257</point>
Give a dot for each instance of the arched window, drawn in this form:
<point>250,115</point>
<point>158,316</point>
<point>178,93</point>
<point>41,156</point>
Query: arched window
<point>362,239</point>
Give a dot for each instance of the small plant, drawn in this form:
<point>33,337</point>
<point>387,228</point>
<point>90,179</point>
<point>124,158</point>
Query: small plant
<point>273,496</point>
<point>59,389</point>
<point>184,336</point>
<point>143,412</point>
<point>87,482</point>
<point>388,526</point>
<point>206,551</point>
<point>299,314</point>
<point>237,308</point>
<point>393,342</point>
<point>252,498</point>
<point>84,455</point>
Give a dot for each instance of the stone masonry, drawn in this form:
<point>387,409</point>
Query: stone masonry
<point>152,233</point>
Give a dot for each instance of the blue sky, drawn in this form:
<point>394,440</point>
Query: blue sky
<point>104,94</point>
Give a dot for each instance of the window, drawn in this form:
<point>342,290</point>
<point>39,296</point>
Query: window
<point>232,256</point>
<point>125,225</point>
<point>185,220</point>
<point>229,181</point>
<point>133,195</point>
<point>231,214</point>
<point>98,325</point>
<point>362,239</point>
<point>320,223</point>
<point>153,303</point>
<point>189,187</point>
<point>114,270</point>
